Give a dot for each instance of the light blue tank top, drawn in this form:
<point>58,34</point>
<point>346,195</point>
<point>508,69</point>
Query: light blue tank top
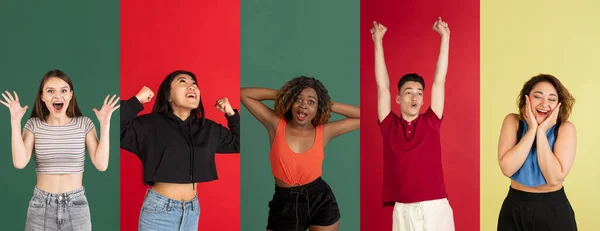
<point>530,173</point>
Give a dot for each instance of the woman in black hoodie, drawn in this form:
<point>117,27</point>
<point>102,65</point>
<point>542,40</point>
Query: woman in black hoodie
<point>177,147</point>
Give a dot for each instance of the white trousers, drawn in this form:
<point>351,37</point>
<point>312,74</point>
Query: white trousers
<point>434,215</point>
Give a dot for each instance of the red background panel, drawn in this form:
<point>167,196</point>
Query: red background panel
<point>412,46</point>
<point>158,37</point>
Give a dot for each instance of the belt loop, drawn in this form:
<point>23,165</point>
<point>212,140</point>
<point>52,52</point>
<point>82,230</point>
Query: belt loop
<point>168,204</point>
<point>47,198</point>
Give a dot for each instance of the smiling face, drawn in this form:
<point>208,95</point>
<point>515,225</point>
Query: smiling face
<point>184,92</point>
<point>305,107</point>
<point>410,98</point>
<point>543,100</point>
<point>56,96</point>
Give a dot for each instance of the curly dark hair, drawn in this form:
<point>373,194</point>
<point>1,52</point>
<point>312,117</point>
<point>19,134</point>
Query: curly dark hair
<point>289,92</point>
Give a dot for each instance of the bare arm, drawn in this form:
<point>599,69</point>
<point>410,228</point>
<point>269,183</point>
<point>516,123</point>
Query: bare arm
<point>381,74</point>
<point>22,144</point>
<point>350,123</point>
<point>251,98</point>
<point>439,77</point>
<point>99,150</point>
<point>556,165</point>
<point>512,155</point>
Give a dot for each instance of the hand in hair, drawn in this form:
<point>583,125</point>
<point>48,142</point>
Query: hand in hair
<point>441,27</point>
<point>107,109</point>
<point>145,95</point>
<point>224,106</point>
<point>14,106</point>
<point>377,32</point>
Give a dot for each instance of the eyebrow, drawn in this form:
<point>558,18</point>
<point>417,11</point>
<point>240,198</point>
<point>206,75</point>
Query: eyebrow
<point>59,88</point>
<point>310,96</point>
<point>539,92</point>
<point>410,88</point>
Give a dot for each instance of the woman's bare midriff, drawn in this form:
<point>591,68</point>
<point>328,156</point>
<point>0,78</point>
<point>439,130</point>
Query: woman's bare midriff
<point>181,192</point>
<point>540,189</point>
<point>59,183</point>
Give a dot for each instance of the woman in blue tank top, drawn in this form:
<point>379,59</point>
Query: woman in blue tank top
<point>536,151</point>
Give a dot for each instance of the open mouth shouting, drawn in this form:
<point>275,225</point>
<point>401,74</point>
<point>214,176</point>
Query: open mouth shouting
<point>413,105</point>
<point>191,95</point>
<point>58,105</point>
<point>301,115</point>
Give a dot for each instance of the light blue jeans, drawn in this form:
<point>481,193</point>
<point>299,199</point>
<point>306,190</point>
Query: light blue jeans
<point>164,214</point>
<point>58,211</point>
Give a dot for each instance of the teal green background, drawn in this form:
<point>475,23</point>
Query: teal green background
<point>80,38</point>
<point>285,39</point>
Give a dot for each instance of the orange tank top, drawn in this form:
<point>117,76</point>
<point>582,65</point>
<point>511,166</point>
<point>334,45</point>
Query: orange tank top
<point>296,168</point>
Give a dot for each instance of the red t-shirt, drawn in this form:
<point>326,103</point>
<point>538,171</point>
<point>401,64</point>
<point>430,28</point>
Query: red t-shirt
<point>412,159</point>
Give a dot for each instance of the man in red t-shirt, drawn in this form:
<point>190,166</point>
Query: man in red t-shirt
<point>412,154</point>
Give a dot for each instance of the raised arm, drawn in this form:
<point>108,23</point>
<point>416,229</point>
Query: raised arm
<point>132,129</point>
<point>22,144</point>
<point>99,149</point>
<point>381,75</point>
<point>339,127</point>
<point>441,68</point>
<point>251,98</point>
<point>229,139</point>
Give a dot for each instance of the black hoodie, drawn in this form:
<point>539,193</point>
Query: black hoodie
<point>176,151</point>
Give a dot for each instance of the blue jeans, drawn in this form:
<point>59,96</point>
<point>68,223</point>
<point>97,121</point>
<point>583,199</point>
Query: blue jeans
<point>164,214</point>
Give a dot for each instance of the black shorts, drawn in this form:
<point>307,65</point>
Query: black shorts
<point>297,208</point>
<point>526,211</point>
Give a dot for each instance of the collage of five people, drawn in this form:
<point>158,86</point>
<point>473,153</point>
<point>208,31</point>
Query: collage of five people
<point>288,115</point>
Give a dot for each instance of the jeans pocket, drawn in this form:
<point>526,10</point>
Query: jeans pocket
<point>150,206</point>
<point>37,202</point>
<point>80,201</point>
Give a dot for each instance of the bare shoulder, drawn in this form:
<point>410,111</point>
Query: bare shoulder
<point>511,118</point>
<point>567,127</point>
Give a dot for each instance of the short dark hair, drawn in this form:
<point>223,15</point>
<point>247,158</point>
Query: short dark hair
<point>411,77</point>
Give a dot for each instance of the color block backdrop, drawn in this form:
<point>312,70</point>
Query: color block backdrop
<point>518,41</point>
<point>410,45</point>
<point>157,38</point>
<point>285,39</point>
<point>81,39</point>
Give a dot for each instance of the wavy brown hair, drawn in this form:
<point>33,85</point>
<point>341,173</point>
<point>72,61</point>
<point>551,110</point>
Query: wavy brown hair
<point>289,92</point>
<point>41,111</point>
<point>564,96</point>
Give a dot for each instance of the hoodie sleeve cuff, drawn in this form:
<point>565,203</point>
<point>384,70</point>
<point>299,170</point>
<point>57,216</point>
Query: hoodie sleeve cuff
<point>135,104</point>
<point>234,118</point>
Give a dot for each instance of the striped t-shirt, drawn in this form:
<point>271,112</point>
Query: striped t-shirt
<point>59,149</point>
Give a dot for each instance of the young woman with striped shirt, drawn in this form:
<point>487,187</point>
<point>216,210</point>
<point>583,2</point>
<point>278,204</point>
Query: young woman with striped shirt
<point>59,134</point>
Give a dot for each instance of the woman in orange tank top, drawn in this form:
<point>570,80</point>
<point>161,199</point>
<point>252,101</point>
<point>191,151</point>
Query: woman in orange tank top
<point>299,130</point>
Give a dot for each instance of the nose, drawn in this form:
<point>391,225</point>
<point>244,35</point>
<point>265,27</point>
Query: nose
<point>192,87</point>
<point>303,104</point>
<point>545,103</point>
